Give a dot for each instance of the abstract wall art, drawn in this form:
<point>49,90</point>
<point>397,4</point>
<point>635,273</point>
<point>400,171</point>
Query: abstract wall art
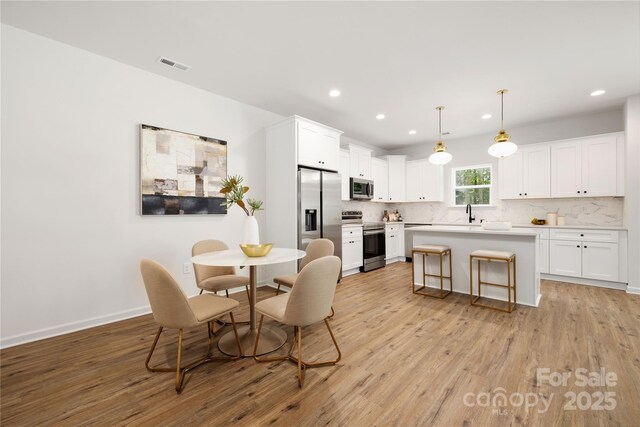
<point>180,173</point>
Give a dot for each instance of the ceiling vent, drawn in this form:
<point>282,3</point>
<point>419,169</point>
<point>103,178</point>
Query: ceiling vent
<point>173,64</point>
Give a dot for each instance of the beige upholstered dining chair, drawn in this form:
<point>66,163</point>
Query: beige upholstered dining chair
<point>308,302</point>
<point>214,279</point>
<point>317,248</point>
<point>172,309</point>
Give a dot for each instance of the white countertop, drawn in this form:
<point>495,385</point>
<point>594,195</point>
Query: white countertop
<point>471,229</point>
<point>580,227</point>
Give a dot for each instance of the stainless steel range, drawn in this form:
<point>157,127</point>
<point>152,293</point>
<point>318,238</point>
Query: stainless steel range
<point>374,248</point>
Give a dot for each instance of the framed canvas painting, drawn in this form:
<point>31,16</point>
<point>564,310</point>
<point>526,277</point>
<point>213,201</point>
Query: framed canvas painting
<point>180,173</point>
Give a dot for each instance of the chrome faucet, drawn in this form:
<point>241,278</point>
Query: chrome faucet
<point>471,218</point>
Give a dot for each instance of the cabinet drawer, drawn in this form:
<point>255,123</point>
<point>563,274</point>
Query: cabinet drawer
<point>585,235</point>
<point>392,227</point>
<point>351,232</point>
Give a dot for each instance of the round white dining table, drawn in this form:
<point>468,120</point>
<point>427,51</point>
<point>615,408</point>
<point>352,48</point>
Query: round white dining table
<point>272,337</point>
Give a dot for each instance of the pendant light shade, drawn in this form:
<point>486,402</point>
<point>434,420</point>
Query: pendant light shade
<point>502,147</point>
<point>440,156</point>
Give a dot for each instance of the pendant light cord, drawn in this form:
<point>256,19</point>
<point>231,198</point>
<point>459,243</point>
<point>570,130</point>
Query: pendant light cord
<point>502,110</point>
<point>440,123</point>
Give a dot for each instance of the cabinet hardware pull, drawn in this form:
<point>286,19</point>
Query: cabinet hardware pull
<point>525,194</point>
<point>519,194</point>
<point>584,192</point>
<point>578,246</point>
<point>578,191</point>
<point>585,246</point>
<point>582,235</point>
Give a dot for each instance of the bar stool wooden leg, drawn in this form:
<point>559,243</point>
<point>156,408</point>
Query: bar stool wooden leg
<point>441,274</point>
<point>509,285</point>
<point>515,282</point>
<point>450,273</point>
<point>471,279</point>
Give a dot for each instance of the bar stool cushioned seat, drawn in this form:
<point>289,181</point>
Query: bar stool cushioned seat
<point>431,248</point>
<point>492,254</point>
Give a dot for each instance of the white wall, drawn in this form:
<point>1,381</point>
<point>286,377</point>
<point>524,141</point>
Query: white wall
<point>632,187</point>
<point>72,236</point>
<point>473,151</point>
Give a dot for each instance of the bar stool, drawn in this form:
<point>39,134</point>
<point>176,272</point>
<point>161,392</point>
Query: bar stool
<point>489,256</point>
<point>427,250</point>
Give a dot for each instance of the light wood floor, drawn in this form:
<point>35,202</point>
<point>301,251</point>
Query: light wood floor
<point>407,360</point>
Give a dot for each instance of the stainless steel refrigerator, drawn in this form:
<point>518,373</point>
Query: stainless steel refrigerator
<point>319,208</point>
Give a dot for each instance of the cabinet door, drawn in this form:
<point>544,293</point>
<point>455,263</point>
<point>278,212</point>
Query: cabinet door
<point>536,172</point>
<point>565,258</point>
<point>510,176</point>
<point>431,181</point>
<point>397,178</point>
<point>344,173</point>
<point>599,166</point>
<point>351,252</point>
<point>391,243</point>
<point>309,142</point>
<point>544,256</point>
<point>380,175</point>
<point>413,181</point>
<point>329,149</point>
<point>600,261</point>
<point>566,170</point>
<point>360,163</point>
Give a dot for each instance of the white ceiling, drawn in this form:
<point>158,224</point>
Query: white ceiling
<point>397,58</point>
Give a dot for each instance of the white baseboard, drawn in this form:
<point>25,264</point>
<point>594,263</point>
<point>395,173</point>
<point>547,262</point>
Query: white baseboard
<point>633,290</point>
<point>67,328</point>
<point>351,272</point>
<point>582,281</point>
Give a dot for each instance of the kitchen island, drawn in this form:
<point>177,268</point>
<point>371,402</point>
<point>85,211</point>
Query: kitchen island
<point>465,239</point>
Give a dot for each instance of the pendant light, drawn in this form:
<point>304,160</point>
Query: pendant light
<point>440,157</point>
<point>502,147</point>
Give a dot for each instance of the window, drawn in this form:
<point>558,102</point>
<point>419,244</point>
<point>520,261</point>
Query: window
<point>472,185</point>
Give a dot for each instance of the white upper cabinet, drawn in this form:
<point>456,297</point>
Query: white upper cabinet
<point>424,181</point>
<point>359,162</point>
<point>599,166</point>
<point>318,145</point>
<point>526,174</point>
<point>585,167</point>
<point>380,175</point>
<point>344,174</point>
<point>396,184</point>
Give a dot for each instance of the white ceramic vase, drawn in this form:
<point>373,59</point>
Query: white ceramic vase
<point>251,233</point>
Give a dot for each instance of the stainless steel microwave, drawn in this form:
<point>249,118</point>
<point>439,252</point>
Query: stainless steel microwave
<point>360,189</point>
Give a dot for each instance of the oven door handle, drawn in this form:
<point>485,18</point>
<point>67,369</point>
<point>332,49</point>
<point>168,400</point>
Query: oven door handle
<point>368,233</point>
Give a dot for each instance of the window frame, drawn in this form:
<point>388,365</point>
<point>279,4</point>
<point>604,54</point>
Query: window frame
<point>454,187</point>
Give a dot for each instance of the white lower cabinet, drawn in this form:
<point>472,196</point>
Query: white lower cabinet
<point>544,256</point>
<point>351,248</point>
<point>565,258</point>
<point>394,242</point>
<point>599,260</point>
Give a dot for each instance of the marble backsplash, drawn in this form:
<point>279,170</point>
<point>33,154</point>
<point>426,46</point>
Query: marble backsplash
<point>605,211</point>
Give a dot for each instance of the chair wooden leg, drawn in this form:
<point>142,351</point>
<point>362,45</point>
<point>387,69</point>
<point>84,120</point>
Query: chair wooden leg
<point>226,291</point>
<point>153,347</point>
<point>300,364</point>
<point>246,288</point>
<point>333,313</point>
<point>179,373</point>
<point>278,290</point>
<point>201,291</point>
<point>255,347</point>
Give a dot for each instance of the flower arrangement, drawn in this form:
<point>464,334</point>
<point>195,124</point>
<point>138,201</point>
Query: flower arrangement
<point>234,192</point>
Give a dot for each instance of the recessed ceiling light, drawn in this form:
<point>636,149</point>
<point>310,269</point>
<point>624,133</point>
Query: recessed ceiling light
<point>486,116</point>
<point>597,92</point>
<point>412,132</point>
<point>334,93</point>
<point>380,116</point>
